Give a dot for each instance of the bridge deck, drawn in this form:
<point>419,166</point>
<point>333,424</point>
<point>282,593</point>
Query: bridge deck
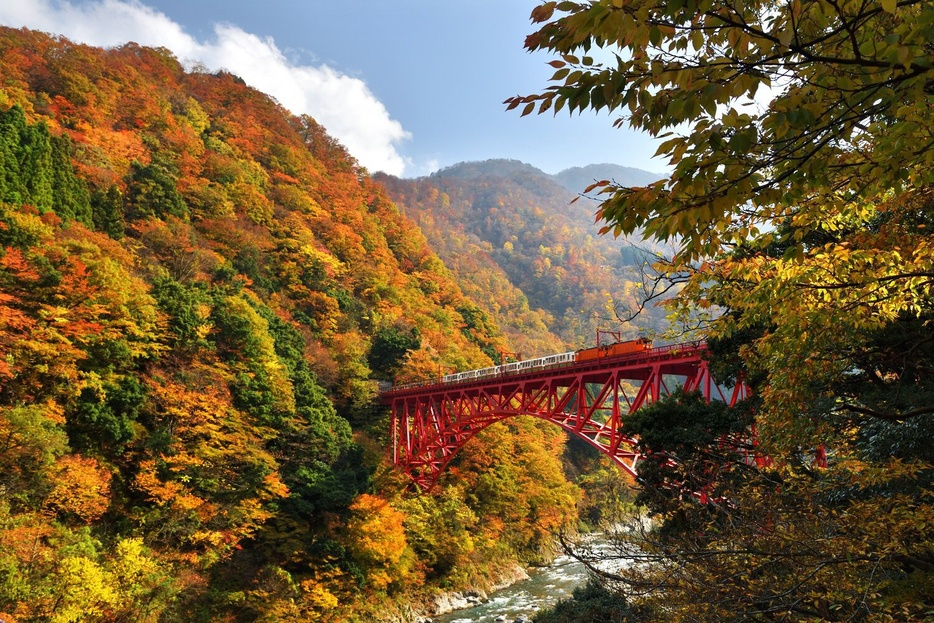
<point>688,351</point>
<point>432,420</point>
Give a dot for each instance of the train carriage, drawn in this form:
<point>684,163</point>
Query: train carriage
<point>617,349</point>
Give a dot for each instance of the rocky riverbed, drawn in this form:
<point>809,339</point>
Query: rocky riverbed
<point>540,588</point>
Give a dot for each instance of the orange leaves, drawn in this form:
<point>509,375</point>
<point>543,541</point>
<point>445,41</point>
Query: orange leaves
<point>14,262</point>
<point>376,538</point>
<point>118,147</point>
<point>274,487</point>
<point>26,540</point>
<point>82,488</point>
<point>13,320</point>
<point>210,486</point>
<point>61,298</point>
<point>166,492</point>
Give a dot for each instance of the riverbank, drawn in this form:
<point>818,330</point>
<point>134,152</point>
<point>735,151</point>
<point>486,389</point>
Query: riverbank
<point>445,603</point>
<point>544,587</point>
<point>427,608</point>
<point>515,591</point>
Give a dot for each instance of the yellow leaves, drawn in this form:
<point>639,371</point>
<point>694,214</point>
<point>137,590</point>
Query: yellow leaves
<point>86,591</point>
<point>323,262</point>
<point>31,439</point>
<point>210,539</point>
<point>132,562</point>
<point>420,364</point>
<point>71,582</point>
<point>317,595</point>
<point>816,290</point>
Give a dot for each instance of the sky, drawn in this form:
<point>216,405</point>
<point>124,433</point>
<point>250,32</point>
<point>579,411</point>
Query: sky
<point>408,86</point>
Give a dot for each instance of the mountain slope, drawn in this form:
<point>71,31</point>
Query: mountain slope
<point>508,222</point>
<point>576,179</point>
<point>198,293</point>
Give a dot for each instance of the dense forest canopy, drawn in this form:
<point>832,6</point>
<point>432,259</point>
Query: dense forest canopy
<point>803,221</point>
<point>199,293</point>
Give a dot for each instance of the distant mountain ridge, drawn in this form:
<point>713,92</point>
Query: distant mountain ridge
<point>520,246</point>
<point>576,179</point>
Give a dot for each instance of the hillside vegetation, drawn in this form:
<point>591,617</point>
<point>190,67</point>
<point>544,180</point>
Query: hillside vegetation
<point>198,294</point>
<point>529,255</point>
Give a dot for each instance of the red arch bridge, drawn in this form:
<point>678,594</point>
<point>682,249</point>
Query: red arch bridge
<point>431,421</point>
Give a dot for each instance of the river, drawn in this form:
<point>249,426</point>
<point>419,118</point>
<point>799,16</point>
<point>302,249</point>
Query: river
<point>545,587</point>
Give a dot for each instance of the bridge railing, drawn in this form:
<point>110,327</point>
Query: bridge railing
<point>635,357</point>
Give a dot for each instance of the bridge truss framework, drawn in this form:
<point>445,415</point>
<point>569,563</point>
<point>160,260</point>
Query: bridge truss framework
<point>431,422</point>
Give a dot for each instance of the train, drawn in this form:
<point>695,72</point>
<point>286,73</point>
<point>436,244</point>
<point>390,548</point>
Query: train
<point>617,349</point>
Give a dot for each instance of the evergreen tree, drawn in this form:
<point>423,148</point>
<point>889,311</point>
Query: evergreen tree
<point>36,169</point>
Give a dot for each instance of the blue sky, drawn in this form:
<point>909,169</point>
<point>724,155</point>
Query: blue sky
<point>407,85</point>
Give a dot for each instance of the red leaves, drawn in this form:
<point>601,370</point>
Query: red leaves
<point>543,12</point>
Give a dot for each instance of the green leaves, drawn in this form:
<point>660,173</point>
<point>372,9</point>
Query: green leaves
<point>802,211</point>
<point>36,169</point>
<point>704,65</point>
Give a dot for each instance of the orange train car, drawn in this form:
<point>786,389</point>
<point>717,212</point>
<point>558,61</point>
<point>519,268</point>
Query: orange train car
<point>614,350</point>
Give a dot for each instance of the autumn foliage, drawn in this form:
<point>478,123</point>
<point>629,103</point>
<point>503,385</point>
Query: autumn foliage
<point>528,253</point>
<point>799,205</point>
<point>199,293</point>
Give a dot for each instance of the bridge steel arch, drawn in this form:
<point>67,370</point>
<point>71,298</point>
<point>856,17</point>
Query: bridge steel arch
<point>431,422</point>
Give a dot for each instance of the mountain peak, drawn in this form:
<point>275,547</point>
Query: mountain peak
<point>576,179</point>
<point>494,167</point>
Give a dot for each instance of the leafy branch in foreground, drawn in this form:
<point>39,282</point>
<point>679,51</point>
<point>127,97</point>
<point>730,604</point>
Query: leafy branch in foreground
<point>769,110</point>
<point>800,137</point>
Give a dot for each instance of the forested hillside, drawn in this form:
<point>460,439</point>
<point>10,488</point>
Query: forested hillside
<point>198,295</point>
<point>528,255</point>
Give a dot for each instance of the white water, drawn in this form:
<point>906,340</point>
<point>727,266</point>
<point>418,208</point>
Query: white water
<point>545,587</point>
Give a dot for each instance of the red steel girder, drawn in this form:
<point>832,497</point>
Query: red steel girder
<point>432,422</point>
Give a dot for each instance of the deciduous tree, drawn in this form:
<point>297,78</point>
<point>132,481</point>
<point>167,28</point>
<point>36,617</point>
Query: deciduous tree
<point>800,142</point>
<point>843,113</point>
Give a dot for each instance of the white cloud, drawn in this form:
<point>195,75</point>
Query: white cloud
<point>344,105</point>
<point>422,167</point>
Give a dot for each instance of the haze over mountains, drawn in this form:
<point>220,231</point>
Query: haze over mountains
<point>576,179</point>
